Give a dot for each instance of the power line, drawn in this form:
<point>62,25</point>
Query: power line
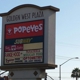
<point>58,72</point>
<point>60,56</point>
<point>62,77</point>
<point>64,57</point>
<point>68,44</point>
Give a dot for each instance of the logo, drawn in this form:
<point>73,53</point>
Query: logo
<point>28,29</point>
<point>14,48</point>
<point>9,31</point>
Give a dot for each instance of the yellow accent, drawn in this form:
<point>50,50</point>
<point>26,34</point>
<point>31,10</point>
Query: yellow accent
<point>33,46</point>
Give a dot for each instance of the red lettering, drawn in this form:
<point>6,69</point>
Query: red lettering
<point>28,29</point>
<point>24,58</point>
<point>16,54</point>
<point>8,55</point>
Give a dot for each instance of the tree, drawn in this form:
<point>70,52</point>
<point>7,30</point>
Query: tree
<point>75,73</point>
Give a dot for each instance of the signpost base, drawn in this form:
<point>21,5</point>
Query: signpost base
<point>26,74</point>
<point>26,79</point>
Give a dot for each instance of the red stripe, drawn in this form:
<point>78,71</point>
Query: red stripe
<point>25,29</point>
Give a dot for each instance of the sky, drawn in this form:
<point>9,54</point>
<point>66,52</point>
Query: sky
<point>67,32</point>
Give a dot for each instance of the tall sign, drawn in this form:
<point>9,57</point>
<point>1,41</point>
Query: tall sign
<point>28,37</point>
